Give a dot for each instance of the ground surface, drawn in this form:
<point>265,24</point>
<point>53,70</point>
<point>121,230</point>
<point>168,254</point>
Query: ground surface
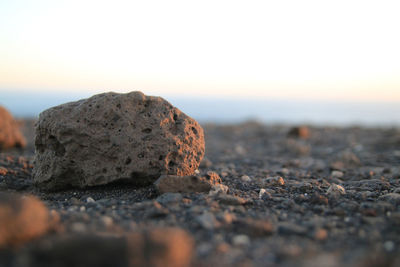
<point>298,220</point>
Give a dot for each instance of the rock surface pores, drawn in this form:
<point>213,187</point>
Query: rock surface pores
<point>110,137</point>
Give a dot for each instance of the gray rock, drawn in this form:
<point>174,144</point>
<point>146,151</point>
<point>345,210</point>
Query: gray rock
<point>287,228</point>
<point>393,198</point>
<point>168,198</point>
<point>110,137</point>
<point>207,220</point>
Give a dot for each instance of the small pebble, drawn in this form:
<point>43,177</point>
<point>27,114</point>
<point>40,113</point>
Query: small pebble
<point>337,174</point>
<point>90,200</point>
<point>389,246</point>
<point>218,189</point>
<point>335,190</point>
<point>274,181</point>
<point>261,193</point>
<point>168,198</point>
<point>241,240</point>
<point>245,178</point>
<point>231,200</point>
<point>207,220</point>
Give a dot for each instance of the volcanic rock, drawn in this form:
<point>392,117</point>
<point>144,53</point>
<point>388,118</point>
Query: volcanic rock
<point>10,135</point>
<point>110,137</point>
<point>187,184</point>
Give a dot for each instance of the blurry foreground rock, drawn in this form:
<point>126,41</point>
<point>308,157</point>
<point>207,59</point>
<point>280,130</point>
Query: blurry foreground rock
<point>10,135</point>
<point>187,184</point>
<point>156,247</point>
<point>110,137</point>
<point>169,247</point>
<point>23,218</point>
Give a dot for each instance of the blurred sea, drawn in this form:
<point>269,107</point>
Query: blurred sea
<point>231,110</point>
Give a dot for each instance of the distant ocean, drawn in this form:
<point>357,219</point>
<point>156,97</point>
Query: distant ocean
<point>229,110</point>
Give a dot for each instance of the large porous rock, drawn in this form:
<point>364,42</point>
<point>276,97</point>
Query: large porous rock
<point>10,135</point>
<point>110,137</point>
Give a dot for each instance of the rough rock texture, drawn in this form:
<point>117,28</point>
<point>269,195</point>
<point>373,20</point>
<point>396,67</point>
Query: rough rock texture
<point>10,135</point>
<point>22,218</point>
<point>113,136</point>
<point>187,184</point>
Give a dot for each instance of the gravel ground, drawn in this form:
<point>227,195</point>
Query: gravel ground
<point>332,199</point>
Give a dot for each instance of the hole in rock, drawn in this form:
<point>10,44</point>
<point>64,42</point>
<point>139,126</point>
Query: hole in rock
<point>56,146</point>
<point>147,130</point>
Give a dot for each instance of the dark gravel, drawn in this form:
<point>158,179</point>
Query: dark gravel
<point>337,202</point>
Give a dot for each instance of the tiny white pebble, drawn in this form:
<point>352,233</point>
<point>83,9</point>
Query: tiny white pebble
<point>245,178</point>
<point>82,208</point>
<point>337,174</point>
<point>389,246</point>
<point>90,200</point>
<point>197,172</point>
<point>261,193</point>
<point>241,240</point>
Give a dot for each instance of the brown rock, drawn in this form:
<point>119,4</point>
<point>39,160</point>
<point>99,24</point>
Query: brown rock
<point>299,132</point>
<point>22,218</point>
<point>160,247</point>
<point>231,200</point>
<point>274,181</point>
<point>10,135</point>
<point>110,137</point>
<point>254,228</point>
<point>186,184</point>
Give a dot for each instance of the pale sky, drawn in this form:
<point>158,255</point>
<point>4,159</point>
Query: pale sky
<point>287,49</point>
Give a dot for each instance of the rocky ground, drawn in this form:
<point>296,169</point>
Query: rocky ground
<point>323,197</point>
